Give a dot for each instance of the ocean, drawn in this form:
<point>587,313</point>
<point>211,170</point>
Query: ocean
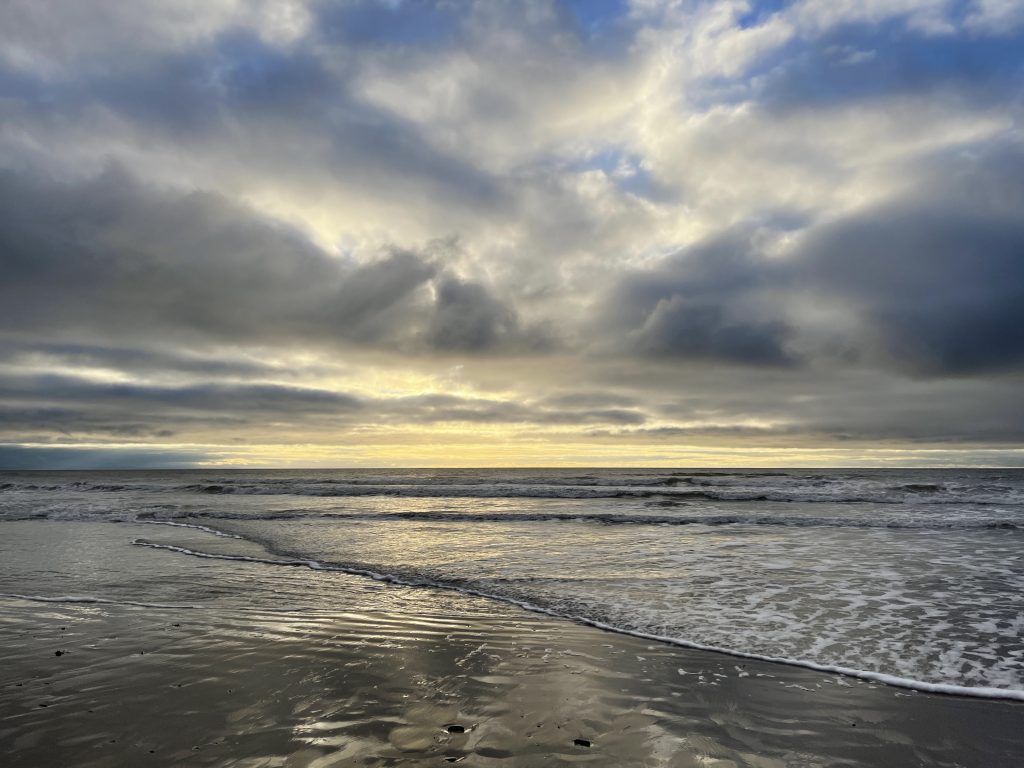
<point>913,578</point>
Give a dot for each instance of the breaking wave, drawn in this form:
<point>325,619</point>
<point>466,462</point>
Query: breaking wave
<point>672,489</point>
<point>411,579</point>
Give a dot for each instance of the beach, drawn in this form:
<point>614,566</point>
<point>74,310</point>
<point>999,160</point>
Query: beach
<point>139,656</point>
<point>522,383</point>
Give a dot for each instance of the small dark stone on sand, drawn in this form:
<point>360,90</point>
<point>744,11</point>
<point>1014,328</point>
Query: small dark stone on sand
<point>58,653</point>
<point>455,729</point>
<point>581,742</point>
<point>44,705</point>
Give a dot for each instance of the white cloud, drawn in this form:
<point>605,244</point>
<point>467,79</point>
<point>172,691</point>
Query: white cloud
<point>65,39</point>
<point>996,17</point>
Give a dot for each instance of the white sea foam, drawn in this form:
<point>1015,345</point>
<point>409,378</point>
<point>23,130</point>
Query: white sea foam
<point>908,575</point>
<point>412,581</point>
<point>193,526</point>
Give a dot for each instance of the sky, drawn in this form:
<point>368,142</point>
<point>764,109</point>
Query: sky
<point>310,233</point>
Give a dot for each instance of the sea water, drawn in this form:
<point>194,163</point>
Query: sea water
<point>911,577</point>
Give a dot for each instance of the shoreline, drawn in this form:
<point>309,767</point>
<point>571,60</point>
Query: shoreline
<point>301,667</point>
<point>921,686</point>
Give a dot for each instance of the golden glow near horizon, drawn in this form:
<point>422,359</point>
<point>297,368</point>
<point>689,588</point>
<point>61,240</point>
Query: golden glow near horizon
<point>441,416</point>
<point>426,450</point>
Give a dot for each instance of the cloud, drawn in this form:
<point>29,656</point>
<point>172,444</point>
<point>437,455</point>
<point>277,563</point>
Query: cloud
<point>468,318</point>
<point>286,223</point>
<point>79,407</point>
<point>931,283</point>
<point>218,398</point>
<point>702,303</point>
<point>941,291</point>
<point>114,259</point>
<point>995,17</point>
<point>64,40</point>
<point>29,354</point>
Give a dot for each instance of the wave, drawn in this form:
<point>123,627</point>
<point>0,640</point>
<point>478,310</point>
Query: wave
<point>416,581</point>
<point>666,495</point>
<point>926,521</point>
<point>193,526</point>
<point>669,488</point>
<point>923,487</point>
<point>611,518</point>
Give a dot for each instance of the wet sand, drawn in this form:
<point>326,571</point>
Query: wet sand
<point>386,675</point>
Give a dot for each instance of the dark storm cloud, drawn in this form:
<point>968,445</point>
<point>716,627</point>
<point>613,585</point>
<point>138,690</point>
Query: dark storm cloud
<point>932,283</point>
<point>468,318</point>
<point>834,404</point>
<point>704,303</point>
<point>937,279</point>
<point>941,290</point>
<point>372,304</point>
<point>113,259</point>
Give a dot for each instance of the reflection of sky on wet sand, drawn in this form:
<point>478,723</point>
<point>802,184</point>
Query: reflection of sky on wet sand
<point>361,673</point>
<point>948,617</point>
